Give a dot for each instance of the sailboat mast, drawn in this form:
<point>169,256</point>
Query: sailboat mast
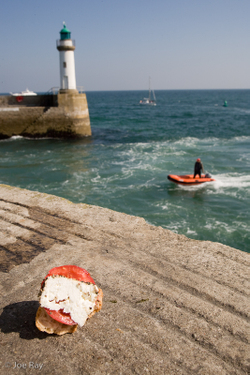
<point>149,91</point>
<point>148,100</point>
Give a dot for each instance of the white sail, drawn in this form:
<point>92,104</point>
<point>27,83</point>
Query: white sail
<point>149,101</point>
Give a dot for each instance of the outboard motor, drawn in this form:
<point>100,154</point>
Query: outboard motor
<point>207,175</point>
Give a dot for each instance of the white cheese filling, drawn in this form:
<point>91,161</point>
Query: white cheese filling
<point>72,296</point>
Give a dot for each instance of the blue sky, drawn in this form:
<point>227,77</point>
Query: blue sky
<point>180,44</point>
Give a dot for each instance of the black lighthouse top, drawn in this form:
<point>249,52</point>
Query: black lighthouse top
<point>65,33</point>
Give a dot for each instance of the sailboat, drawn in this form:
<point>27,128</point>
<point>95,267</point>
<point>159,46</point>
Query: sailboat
<point>149,100</point>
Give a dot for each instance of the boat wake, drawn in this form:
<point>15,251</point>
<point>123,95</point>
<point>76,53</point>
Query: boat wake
<point>234,180</point>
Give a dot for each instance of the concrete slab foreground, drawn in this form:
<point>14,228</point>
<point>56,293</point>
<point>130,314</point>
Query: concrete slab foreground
<point>171,305</point>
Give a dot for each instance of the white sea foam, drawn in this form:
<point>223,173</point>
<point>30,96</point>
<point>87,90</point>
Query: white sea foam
<point>220,225</point>
<point>13,138</point>
<point>191,232</point>
<point>242,138</point>
<point>229,184</point>
<point>169,206</point>
<point>242,110</point>
<point>191,141</point>
<point>17,137</point>
<point>203,186</point>
<point>20,137</point>
<point>233,180</point>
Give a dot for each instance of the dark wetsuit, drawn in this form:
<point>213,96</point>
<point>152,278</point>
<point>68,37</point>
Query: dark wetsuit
<point>198,167</point>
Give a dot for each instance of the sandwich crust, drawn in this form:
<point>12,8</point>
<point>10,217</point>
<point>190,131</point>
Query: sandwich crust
<point>47,324</point>
<point>98,303</point>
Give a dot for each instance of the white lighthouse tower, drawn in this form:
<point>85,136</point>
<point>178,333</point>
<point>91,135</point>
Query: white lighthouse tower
<point>66,47</point>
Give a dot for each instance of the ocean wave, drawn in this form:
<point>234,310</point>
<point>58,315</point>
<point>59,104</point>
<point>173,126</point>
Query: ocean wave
<point>169,206</point>
<point>229,228</point>
<point>242,138</point>
<point>190,232</point>
<point>11,139</point>
<point>181,227</point>
<point>218,225</point>
<point>178,145</point>
<point>242,110</point>
<point>190,141</point>
<point>14,137</point>
<point>20,138</point>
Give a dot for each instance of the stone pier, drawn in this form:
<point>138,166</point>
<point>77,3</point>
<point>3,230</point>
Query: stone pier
<point>171,305</point>
<point>65,115</point>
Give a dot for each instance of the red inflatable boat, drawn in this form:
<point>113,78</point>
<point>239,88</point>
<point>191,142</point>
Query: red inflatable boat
<point>188,179</point>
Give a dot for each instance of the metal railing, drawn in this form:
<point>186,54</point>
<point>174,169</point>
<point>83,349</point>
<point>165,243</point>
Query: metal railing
<point>55,90</point>
<point>58,42</point>
<point>80,89</point>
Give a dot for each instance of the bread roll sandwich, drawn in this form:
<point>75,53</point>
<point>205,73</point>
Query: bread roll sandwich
<point>68,297</point>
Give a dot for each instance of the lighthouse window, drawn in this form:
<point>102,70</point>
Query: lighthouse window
<point>64,64</point>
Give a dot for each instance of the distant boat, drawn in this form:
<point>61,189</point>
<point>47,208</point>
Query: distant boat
<point>149,101</point>
<point>27,92</point>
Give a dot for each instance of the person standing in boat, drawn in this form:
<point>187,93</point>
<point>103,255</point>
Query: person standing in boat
<point>198,167</point>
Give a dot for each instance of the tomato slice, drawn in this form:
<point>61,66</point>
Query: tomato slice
<point>72,272</point>
<point>60,316</point>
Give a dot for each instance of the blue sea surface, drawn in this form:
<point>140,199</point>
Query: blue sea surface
<point>125,164</point>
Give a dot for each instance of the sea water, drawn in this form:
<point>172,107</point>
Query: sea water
<point>125,164</point>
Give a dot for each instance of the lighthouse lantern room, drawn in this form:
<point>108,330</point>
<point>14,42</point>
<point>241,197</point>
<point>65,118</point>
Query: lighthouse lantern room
<point>66,47</point>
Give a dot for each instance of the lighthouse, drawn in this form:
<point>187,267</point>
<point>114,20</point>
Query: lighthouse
<point>66,47</point>
<point>62,115</point>
<point>71,104</point>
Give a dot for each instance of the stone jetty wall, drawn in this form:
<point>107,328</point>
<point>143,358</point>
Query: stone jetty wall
<point>62,115</point>
<point>171,305</point>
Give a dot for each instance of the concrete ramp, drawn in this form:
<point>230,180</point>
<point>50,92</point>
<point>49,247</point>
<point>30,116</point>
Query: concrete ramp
<point>171,305</point>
